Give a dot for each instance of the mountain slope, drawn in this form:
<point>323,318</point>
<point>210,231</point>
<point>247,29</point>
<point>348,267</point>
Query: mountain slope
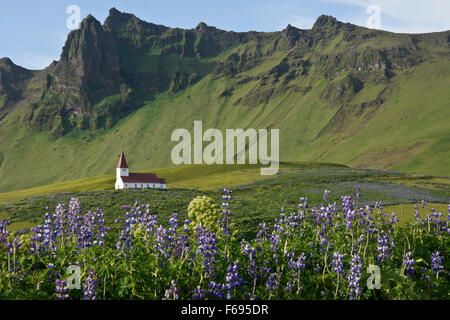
<point>337,92</point>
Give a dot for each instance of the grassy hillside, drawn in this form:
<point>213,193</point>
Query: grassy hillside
<point>394,139</point>
<point>338,93</point>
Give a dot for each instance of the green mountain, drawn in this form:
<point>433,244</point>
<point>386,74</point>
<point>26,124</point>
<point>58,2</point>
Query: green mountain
<point>337,92</point>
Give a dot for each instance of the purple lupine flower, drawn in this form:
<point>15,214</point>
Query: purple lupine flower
<point>60,215</point>
<point>279,226</point>
<point>357,191</point>
<point>393,218</point>
<point>272,282</point>
<point>173,222</point>
<point>226,213</point>
<point>48,233</point>
<point>408,263</point>
<point>361,238</point>
<point>199,294</point>
<point>173,292</point>
<point>379,205</point>
<point>150,221</point>
<point>3,232</point>
<point>9,246</point>
<point>126,239</point>
<point>416,213</point>
<point>274,241</point>
<point>67,225</point>
<point>207,249</point>
<point>437,262</point>
<point>61,289</point>
<point>217,290</point>
<point>182,244</point>
<point>303,203</point>
<point>294,221</point>
<point>348,211</point>
<point>263,233</point>
<point>299,264</point>
<point>72,218</point>
<point>324,216</point>
<point>436,219</point>
<point>317,268</point>
<point>289,286</point>
<point>249,251</point>
<point>90,287</point>
<point>337,263</point>
<point>164,241</point>
<point>265,269</point>
<point>233,279</point>
<point>383,248</point>
<point>323,239</point>
<point>354,277</point>
<point>371,228</point>
<point>92,230</point>
<point>325,195</point>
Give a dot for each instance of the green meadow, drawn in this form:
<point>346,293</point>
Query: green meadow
<point>256,198</point>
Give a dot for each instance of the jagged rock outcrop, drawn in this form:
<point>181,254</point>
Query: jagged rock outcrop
<point>89,66</point>
<point>12,81</point>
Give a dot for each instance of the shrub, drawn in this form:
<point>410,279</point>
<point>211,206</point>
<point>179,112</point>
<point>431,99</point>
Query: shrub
<point>203,210</point>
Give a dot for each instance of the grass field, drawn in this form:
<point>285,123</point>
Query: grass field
<point>201,177</point>
<point>256,198</point>
<point>404,211</point>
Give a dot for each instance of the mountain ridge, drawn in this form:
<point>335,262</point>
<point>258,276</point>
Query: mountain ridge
<point>326,88</point>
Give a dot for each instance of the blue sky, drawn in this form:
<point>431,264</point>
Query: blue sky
<point>32,33</point>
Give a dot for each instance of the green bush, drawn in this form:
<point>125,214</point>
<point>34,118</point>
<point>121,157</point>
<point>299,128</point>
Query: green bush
<point>203,210</point>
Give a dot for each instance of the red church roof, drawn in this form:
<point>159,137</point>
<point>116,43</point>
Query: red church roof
<point>143,178</point>
<point>122,161</point>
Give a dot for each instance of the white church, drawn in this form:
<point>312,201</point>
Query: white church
<point>127,180</point>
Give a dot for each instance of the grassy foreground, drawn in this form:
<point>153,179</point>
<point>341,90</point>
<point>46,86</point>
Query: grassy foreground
<point>328,251</point>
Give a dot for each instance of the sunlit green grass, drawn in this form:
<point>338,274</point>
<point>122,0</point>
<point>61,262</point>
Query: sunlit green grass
<point>201,177</point>
<point>256,198</point>
<point>405,212</point>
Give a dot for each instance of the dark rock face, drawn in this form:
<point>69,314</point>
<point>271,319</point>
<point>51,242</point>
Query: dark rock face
<point>325,21</point>
<point>12,79</point>
<point>342,90</point>
<point>296,36</point>
<point>89,65</point>
<point>13,85</point>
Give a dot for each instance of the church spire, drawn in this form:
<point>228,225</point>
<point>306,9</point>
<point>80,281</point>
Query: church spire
<point>122,161</point>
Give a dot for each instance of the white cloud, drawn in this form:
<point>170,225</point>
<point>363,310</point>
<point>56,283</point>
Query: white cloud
<point>412,16</point>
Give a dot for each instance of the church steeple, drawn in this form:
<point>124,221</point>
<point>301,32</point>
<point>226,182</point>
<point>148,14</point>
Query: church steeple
<point>122,167</point>
<point>122,161</point>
